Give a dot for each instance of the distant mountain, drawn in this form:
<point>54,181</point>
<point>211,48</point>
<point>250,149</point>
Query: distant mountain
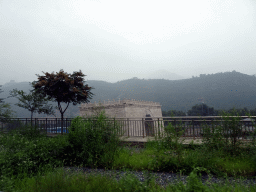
<point>164,74</point>
<point>12,82</point>
<point>220,90</point>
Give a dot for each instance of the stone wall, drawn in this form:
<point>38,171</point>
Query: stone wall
<point>132,113</point>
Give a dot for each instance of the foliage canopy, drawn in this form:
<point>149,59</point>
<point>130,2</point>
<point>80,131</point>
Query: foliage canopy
<point>63,87</point>
<point>34,102</point>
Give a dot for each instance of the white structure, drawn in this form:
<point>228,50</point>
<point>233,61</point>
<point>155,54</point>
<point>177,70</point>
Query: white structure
<point>134,115</point>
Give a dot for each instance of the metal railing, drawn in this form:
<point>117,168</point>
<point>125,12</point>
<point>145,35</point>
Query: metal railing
<point>193,126</point>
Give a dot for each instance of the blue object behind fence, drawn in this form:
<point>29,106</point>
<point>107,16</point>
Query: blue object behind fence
<point>52,130</point>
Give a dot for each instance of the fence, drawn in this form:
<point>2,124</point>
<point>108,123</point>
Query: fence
<point>143,127</point>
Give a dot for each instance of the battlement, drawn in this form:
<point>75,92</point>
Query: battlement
<point>120,102</point>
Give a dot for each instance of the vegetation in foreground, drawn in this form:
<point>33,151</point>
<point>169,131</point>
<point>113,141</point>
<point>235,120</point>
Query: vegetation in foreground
<point>29,161</point>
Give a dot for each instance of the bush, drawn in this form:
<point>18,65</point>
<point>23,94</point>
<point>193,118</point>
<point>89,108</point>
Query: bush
<point>26,155</point>
<point>214,140</point>
<point>92,142</point>
<point>224,137</point>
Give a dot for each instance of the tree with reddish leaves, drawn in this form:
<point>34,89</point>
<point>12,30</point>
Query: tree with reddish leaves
<point>63,87</point>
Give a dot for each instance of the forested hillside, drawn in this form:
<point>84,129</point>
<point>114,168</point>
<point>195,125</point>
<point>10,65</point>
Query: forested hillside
<point>220,91</point>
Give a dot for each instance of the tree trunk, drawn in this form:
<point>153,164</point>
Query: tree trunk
<point>31,117</point>
<point>62,123</point>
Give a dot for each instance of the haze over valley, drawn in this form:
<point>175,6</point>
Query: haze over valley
<point>221,91</point>
<point>172,52</point>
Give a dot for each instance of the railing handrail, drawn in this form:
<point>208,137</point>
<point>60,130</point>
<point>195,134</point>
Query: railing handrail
<point>174,117</point>
<point>188,121</point>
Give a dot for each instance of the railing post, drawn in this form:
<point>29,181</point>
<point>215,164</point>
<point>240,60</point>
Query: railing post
<point>193,128</point>
<point>46,124</point>
<point>212,126</point>
<point>157,127</point>
<point>175,126</point>
<point>122,127</point>
<point>19,120</point>
<point>66,124</point>
<point>135,128</point>
<point>128,126</point>
<point>56,125</point>
<point>142,128</point>
<point>114,125</point>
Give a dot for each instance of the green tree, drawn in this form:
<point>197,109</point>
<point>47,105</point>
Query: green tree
<point>201,110</point>
<point>1,99</point>
<point>63,87</point>
<point>34,102</point>
<point>173,113</point>
<point>6,114</point>
<point>240,112</point>
<point>253,112</point>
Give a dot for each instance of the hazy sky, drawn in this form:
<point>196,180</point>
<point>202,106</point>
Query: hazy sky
<point>114,40</point>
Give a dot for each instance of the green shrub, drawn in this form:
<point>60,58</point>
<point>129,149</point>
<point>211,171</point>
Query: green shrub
<point>92,142</point>
<point>26,155</point>
<point>224,137</point>
<point>213,140</point>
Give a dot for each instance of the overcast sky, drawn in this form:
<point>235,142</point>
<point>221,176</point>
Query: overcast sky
<point>115,40</point>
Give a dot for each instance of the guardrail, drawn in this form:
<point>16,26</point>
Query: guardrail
<point>143,127</point>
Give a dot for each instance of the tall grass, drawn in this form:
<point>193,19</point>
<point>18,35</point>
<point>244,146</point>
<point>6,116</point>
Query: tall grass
<point>30,161</point>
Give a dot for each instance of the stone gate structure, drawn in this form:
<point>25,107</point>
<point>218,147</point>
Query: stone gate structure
<point>135,116</point>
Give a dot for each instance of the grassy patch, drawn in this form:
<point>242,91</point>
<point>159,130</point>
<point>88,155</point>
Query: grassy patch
<point>31,161</point>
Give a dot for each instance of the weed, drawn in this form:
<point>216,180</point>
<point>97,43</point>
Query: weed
<point>30,161</point>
